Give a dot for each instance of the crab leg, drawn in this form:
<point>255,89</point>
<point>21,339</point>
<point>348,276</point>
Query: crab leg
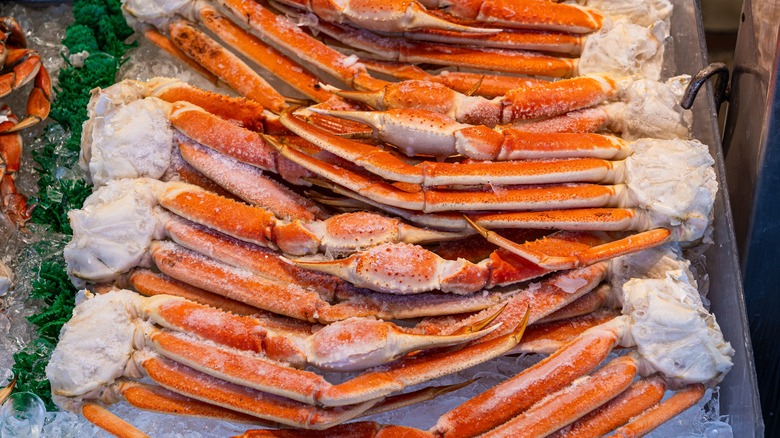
<point>537,41</point>
<point>571,403</point>
<point>437,200</point>
<point>659,414</point>
<point>199,386</point>
<point>511,397</point>
<point>161,41</point>
<point>392,16</point>
<point>522,14</point>
<point>240,76</point>
<point>249,184</point>
<point>538,101</point>
<point>109,422</point>
<point>293,301</point>
<point>150,284</point>
<point>379,342</point>
<point>420,132</point>
<point>495,59</point>
<point>285,34</point>
<point>642,395</point>
<point>487,85</point>
<point>428,173</point>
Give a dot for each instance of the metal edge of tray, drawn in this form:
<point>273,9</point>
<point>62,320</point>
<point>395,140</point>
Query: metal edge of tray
<point>739,390</point>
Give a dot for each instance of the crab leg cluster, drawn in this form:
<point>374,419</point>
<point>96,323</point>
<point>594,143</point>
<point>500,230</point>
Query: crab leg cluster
<point>248,277</point>
<point>568,394</point>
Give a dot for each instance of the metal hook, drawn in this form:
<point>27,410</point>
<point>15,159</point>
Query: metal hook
<point>718,69</point>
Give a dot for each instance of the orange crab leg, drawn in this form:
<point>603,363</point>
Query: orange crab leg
<point>12,203</point>
<point>249,184</point>
<point>642,395</point>
<point>244,112</point>
<point>420,132</point>
<point>255,371</point>
<point>199,386</point>
<point>264,55</point>
<point>517,39</point>
<point>659,414</point>
<point>109,422</point>
<point>547,338</point>
<point>429,173</point>
<point>238,284</point>
<point>149,284</point>
<point>493,59</point>
<point>523,14</point>
<point>164,43</point>
<point>239,76</point>
<point>482,84</point>
<point>158,399</point>
<point>227,138</point>
<point>524,103</point>
<point>511,397</point>
<point>435,200</point>
<point>542,252</point>
<point>285,34</point>
<point>584,305</point>
<point>571,403</point>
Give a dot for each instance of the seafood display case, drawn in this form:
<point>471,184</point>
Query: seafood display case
<point>738,393</point>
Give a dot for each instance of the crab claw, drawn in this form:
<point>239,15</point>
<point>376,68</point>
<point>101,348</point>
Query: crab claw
<point>375,342</point>
<point>404,269</point>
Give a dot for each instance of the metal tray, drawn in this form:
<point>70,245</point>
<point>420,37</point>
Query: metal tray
<point>739,390</point>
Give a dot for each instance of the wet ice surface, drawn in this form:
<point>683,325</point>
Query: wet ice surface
<point>704,420</point>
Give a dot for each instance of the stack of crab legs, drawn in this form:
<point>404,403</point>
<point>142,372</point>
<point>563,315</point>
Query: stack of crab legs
<point>245,282</point>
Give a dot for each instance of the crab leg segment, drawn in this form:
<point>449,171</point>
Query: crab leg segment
<point>401,50</point>
<point>659,414</point>
<point>526,103</point>
<point>511,397</point>
<point>264,55</point>
<point>161,41</point>
<point>642,395</point>
<point>481,84</point>
<point>12,203</point>
<point>199,386</point>
<point>390,16</point>
<point>350,345</point>
<point>109,422</point>
<point>541,251</point>
<point>257,225</point>
<point>239,76</point>
<point>285,34</point>
<point>420,132</point>
<point>523,14</point>
<point>243,112</point>
<point>572,402</point>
